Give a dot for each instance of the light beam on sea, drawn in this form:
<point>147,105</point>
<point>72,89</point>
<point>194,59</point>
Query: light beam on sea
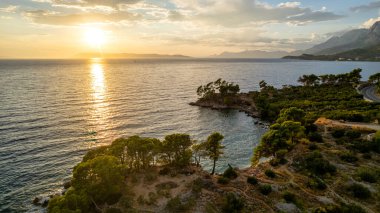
<point>100,112</point>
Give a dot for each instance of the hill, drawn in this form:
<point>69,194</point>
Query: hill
<point>252,54</point>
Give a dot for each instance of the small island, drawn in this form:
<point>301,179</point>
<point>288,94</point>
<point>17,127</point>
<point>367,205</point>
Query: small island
<point>321,154</point>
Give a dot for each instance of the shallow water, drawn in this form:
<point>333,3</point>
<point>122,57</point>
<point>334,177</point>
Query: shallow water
<point>53,111</point>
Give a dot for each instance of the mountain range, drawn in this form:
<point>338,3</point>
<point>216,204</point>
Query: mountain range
<point>252,54</point>
<point>358,44</point>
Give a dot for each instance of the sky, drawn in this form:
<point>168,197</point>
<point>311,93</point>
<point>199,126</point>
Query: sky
<point>198,28</point>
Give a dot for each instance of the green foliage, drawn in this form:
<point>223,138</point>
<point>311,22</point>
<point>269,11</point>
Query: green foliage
<point>223,180</point>
<point>230,173</point>
<point>270,173</point>
<point>368,175</point>
<point>338,133</point>
<point>175,205</point>
<point>359,191</point>
<point>289,197</point>
<point>214,148</point>
<point>280,137</point>
<point>316,183</point>
<point>334,97</point>
<point>315,137</point>
<point>309,80</point>
<point>100,178</point>
<point>316,164</point>
<point>344,208</point>
<point>375,78</point>
<point>348,157</point>
<point>232,203</point>
<point>176,149</point>
<point>252,180</point>
<point>291,114</point>
<point>265,189</point>
<point>352,134</point>
<point>220,86</point>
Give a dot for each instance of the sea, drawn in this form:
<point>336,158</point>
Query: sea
<point>53,111</point>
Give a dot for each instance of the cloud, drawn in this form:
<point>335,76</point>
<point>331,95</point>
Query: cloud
<point>363,8</point>
<point>54,18</point>
<point>90,3</point>
<point>9,9</point>
<point>370,22</point>
<point>243,12</point>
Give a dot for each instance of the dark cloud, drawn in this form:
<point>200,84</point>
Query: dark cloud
<point>371,6</point>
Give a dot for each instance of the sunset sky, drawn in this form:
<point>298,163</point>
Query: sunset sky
<point>62,28</point>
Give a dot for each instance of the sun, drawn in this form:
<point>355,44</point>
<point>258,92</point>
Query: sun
<point>95,37</point>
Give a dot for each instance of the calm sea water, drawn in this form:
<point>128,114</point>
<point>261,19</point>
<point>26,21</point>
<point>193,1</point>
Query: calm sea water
<point>53,111</point>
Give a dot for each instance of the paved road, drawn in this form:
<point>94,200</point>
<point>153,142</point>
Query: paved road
<point>369,93</point>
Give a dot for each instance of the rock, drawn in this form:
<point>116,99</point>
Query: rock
<point>325,200</point>
<point>36,201</point>
<point>287,207</point>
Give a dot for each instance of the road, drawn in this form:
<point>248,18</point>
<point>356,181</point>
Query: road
<point>369,93</point>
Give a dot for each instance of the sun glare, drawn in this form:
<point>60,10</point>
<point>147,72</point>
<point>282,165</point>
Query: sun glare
<point>95,37</point>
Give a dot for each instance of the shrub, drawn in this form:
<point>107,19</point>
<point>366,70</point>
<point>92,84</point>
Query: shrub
<point>289,197</point>
<point>338,133</point>
<point>270,173</point>
<point>223,180</point>
<point>316,164</point>
<point>359,191</point>
<point>232,203</point>
<point>230,173</point>
<point>312,146</point>
<point>265,189</point>
<point>113,210</point>
<point>344,208</point>
<point>348,157</point>
<point>315,137</point>
<point>368,175</point>
<point>252,180</point>
<point>164,171</point>
<point>352,134</point>
<point>367,156</point>
<point>316,183</point>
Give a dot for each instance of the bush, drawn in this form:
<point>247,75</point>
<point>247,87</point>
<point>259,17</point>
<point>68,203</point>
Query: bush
<point>368,175</point>
<point>223,180</point>
<point>316,164</point>
<point>289,197</point>
<point>312,146</point>
<point>252,180</point>
<point>352,134</point>
<point>367,156</point>
<point>230,173</point>
<point>359,191</point>
<point>270,173</point>
<point>265,189</point>
<point>345,208</point>
<point>315,137</point>
<point>113,210</point>
<point>232,203</point>
<point>348,157</point>
<point>338,133</point>
<point>164,171</point>
<point>316,183</point>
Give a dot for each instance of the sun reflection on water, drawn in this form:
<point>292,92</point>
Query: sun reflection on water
<point>100,112</point>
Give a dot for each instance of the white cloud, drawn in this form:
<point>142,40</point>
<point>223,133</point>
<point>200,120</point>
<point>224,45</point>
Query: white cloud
<point>9,9</point>
<point>291,4</point>
<point>370,22</point>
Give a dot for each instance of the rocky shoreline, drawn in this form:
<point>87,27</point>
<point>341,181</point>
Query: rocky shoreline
<point>242,103</point>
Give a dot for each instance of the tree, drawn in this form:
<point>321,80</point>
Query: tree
<point>101,179</point>
<point>291,114</point>
<point>220,86</point>
<point>375,78</point>
<point>214,148</point>
<point>309,80</point>
<point>199,151</point>
<point>177,149</point>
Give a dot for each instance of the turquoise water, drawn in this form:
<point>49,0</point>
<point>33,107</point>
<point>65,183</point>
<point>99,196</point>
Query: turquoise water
<point>53,111</point>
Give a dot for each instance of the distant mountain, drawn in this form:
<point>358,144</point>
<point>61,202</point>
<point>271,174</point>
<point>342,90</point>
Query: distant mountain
<point>354,39</point>
<point>131,56</point>
<point>360,54</point>
<point>252,54</point>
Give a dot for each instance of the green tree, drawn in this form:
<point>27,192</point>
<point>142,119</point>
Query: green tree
<point>309,80</point>
<point>214,148</point>
<point>176,148</point>
<point>101,179</point>
<point>291,114</point>
<point>375,78</point>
